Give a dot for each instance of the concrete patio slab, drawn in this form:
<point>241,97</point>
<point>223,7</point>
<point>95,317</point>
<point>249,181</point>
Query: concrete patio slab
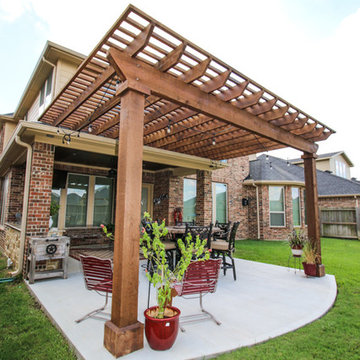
<point>266,301</point>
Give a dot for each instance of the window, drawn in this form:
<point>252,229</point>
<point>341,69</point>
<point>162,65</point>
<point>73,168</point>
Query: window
<point>4,191</point>
<point>295,195</point>
<point>277,206</point>
<point>219,199</point>
<point>189,200</point>
<point>45,93</point>
<point>76,200</point>
<point>55,200</point>
<point>340,168</point>
<point>103,200</point>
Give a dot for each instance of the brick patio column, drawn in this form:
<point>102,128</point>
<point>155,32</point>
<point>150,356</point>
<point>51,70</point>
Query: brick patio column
<point>40,189</point>
<point>203,197</point>
<point>312,207</point>
<point>39,192</point>
<point>16,192</point>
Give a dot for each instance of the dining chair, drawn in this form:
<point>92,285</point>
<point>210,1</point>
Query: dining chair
<point>98,276</point>
<point>226,248</point>
<point>200,278</point>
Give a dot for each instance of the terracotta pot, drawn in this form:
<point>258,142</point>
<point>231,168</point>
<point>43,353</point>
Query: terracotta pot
<point>161,333</point>
<point>309,269</point>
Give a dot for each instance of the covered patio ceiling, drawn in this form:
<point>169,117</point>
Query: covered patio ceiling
<point>195,103</point>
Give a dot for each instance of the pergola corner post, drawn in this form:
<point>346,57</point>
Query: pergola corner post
<point>123,333</point>
<point>312,207</point>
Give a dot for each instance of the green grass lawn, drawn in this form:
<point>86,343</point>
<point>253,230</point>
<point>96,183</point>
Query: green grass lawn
<point>26,333</point>
<point>337,334</point>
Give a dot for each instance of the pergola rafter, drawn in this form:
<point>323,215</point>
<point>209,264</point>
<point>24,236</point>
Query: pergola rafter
<point>90,97</point>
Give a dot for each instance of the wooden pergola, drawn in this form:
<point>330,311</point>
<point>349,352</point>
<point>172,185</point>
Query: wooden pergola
<point>146,85</point>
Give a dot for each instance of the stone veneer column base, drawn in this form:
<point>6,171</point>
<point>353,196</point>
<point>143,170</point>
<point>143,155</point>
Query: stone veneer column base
<point>122,341</point>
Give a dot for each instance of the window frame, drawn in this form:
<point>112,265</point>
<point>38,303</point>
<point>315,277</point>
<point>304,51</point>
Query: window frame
<point>214,183</point>
<point>46,91</point>
<point>195,181</point>
<point>4,198</point>
<point>277,212</point>
<point>299,205</point>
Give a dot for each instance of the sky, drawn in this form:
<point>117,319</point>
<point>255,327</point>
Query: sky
<point>305,51</point>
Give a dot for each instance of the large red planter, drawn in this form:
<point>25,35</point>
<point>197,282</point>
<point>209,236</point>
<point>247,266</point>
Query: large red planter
<point>161,333</point>
<point>309,269</point>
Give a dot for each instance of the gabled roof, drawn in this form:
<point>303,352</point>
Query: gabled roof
<point>51,53</point>
<point>211,109</point>
<point>326,156</point>
<point>273,169</point>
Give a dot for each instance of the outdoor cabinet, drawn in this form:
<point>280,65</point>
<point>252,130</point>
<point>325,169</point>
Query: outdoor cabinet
<point>48,257</point>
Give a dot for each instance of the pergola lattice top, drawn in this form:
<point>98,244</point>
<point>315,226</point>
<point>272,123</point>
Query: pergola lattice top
<point>265,122</point>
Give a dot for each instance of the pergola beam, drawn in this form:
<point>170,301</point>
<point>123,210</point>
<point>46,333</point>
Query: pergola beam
<point>168,87</point>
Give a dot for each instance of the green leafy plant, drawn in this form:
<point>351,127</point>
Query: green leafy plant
<point>106,231</point>
<point>297,239</point>
<point>162,277</point>
<point>54,208</point>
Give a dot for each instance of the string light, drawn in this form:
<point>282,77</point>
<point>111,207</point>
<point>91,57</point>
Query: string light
<point>288,163</point>
<point>267,157</point>
<point>270,165</point>
<point>168,130</point>
<point>90,129</point>
<point>213,142</point>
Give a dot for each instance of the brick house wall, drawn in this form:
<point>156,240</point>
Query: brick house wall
<point>268,232</point>
<point>233,176</point>
<point>203,197</point>
<point>16,189</point>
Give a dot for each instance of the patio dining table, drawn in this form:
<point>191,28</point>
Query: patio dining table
<point>180,229</point>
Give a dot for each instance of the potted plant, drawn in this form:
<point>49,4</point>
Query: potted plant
<point>296,241</point>
<point>310,258</point>
<point>162,321</point>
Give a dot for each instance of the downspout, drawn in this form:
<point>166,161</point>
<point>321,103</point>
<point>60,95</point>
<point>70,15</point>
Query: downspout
<point>257,210</point>
<point>25,203</point>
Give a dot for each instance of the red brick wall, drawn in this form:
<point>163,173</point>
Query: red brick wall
<point>203,197</point>
<point>161,189</point>
<point>233,176</point>
<point>40,189</point>
<point>16,189</point>
<point>267,232</point>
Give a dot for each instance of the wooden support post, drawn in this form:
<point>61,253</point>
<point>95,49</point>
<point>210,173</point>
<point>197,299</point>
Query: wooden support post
<point>312,207</point>
<point>124,334</point>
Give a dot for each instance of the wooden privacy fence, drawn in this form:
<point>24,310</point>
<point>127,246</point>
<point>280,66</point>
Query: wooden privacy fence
<point>340,222</point>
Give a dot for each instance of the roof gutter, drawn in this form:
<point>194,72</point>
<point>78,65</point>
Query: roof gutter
<point>257,210</point>
<point>25,203</point>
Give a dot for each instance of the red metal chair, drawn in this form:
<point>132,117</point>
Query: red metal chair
<point>200,279</point>
<point>98,275</point>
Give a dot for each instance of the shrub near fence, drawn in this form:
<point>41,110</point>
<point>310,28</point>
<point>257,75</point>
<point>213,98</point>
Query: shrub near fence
<point>340,222</point>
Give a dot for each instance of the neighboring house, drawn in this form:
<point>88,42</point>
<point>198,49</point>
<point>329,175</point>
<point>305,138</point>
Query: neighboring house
<point>276,191</point>
<point>336,163</point>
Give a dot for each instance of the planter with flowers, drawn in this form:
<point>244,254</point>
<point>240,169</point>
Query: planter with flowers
<point>297,241</point>
<point>162,321</point>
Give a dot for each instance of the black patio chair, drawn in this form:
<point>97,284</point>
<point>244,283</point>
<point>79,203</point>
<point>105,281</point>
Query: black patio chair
<point>225,248</point>
<point>204,232</point>
<point>225,230</point>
